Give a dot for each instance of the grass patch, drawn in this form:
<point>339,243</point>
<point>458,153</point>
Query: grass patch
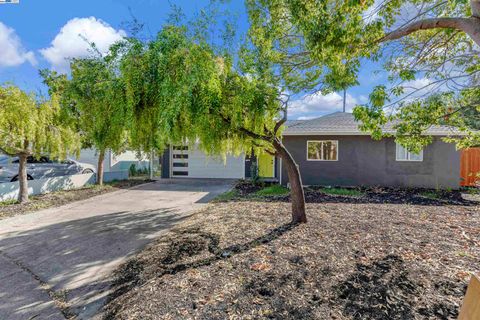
<point>7,202</point>
<point>430,195</point>
<point>274,190</point>
<point>342,192</point>
<point>227,196</point>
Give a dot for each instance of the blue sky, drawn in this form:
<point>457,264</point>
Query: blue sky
<point>38,34</point>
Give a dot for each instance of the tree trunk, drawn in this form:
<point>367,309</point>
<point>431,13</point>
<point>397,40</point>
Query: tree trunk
<point>296,187</point>
<point>101,158</point>
<point>150,173</point>
<point>22,178</point>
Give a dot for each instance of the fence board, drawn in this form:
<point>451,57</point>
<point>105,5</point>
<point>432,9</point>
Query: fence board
<point>470,167</point>
<point>471,304</point>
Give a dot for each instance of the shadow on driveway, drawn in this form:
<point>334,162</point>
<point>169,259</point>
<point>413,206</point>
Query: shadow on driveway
<point>71,259</point>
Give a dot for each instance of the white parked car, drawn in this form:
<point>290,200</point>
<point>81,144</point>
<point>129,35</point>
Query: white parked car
<point>41,168</point>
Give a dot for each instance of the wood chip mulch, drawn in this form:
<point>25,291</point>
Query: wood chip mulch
<point>243,260</point>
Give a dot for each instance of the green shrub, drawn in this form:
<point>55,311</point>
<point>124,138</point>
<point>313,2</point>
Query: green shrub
<point>132,171</point>
<point>254,173</point>
<point>430,195</point>
<point>273,190</point>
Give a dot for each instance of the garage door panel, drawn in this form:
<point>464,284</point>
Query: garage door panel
<point>198,165</point>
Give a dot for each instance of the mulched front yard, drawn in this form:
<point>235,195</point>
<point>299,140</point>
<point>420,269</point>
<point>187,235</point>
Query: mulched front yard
<point>59,198</point>
<point>352,260</point>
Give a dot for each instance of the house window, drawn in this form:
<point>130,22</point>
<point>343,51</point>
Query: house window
<point>405,155</point>
<point>181,148</point>
<point>180,156</point>
<point>322,150</point>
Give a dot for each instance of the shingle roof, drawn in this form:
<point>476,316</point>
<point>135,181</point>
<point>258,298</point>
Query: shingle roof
<point>343,123</point>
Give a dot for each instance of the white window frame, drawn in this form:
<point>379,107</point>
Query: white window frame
<point>322,141</point>
<point>408,154</point>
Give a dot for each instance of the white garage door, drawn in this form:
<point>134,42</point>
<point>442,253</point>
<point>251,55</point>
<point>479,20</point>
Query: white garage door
<point>195,164</point>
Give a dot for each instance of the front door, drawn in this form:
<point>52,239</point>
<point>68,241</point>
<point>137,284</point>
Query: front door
<point>266,166</point>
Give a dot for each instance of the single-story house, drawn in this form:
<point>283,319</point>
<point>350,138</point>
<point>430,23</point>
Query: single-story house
<point>331,150</point>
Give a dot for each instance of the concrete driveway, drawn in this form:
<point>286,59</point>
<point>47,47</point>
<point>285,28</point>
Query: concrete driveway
<point>57,262</point>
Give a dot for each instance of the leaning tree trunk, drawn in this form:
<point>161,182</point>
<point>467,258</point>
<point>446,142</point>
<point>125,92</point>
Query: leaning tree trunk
<point>296,187</point>
<point>101,158</point>
<point>22,178</point>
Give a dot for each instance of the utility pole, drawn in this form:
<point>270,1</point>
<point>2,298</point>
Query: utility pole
<point>344,99</point>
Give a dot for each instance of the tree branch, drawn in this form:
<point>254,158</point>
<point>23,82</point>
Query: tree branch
<point>279,124</point>
<point>4,151</point>
<point>470,26</point>
<point>246,131</point>
<point>265,149</point>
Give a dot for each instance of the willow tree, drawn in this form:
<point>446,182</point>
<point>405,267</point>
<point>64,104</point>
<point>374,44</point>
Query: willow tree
<point>140,68</point>
<point>98,94</point>
<point>32,126</point>
<point>200,97</point>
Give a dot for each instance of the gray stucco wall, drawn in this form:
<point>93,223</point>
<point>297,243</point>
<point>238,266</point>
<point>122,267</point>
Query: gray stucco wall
<point>365,162</point>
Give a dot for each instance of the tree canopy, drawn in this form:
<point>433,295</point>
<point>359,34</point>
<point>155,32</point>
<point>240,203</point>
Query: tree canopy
<point>33,126</point>
<point>94,99</point>
<point>434,41</point>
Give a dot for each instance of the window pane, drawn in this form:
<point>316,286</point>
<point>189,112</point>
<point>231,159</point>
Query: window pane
<point>180,173</point>
<point>180,156</point>
<point>314,150</point>
<point>31,159</point>
<point>329,150</point>
<point>180,164</point>
<point>183,148</point>
<point>401,153</point>
<point>416,156</point>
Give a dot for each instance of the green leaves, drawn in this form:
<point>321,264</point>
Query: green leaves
<point>34,126</point>
<point>378,97</point>
<point>407,75</point>
<point>98,93</point>
<point>315,43</point>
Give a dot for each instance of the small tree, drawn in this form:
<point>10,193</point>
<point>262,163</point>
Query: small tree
<point>98,94</point>
<point>30,126</point>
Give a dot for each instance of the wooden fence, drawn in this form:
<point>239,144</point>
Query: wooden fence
<point>470,167</point>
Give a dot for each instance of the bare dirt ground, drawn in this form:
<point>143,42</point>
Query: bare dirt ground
<point>56,199</point>
<point>355,259</point>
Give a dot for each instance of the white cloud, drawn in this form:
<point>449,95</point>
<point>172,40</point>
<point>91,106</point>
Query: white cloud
<point>12,53</point>
<point>74,39</point>
<point>315,105</point>
<point>306,118</point>
<point>418,88</point>
<point>417,84</point>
